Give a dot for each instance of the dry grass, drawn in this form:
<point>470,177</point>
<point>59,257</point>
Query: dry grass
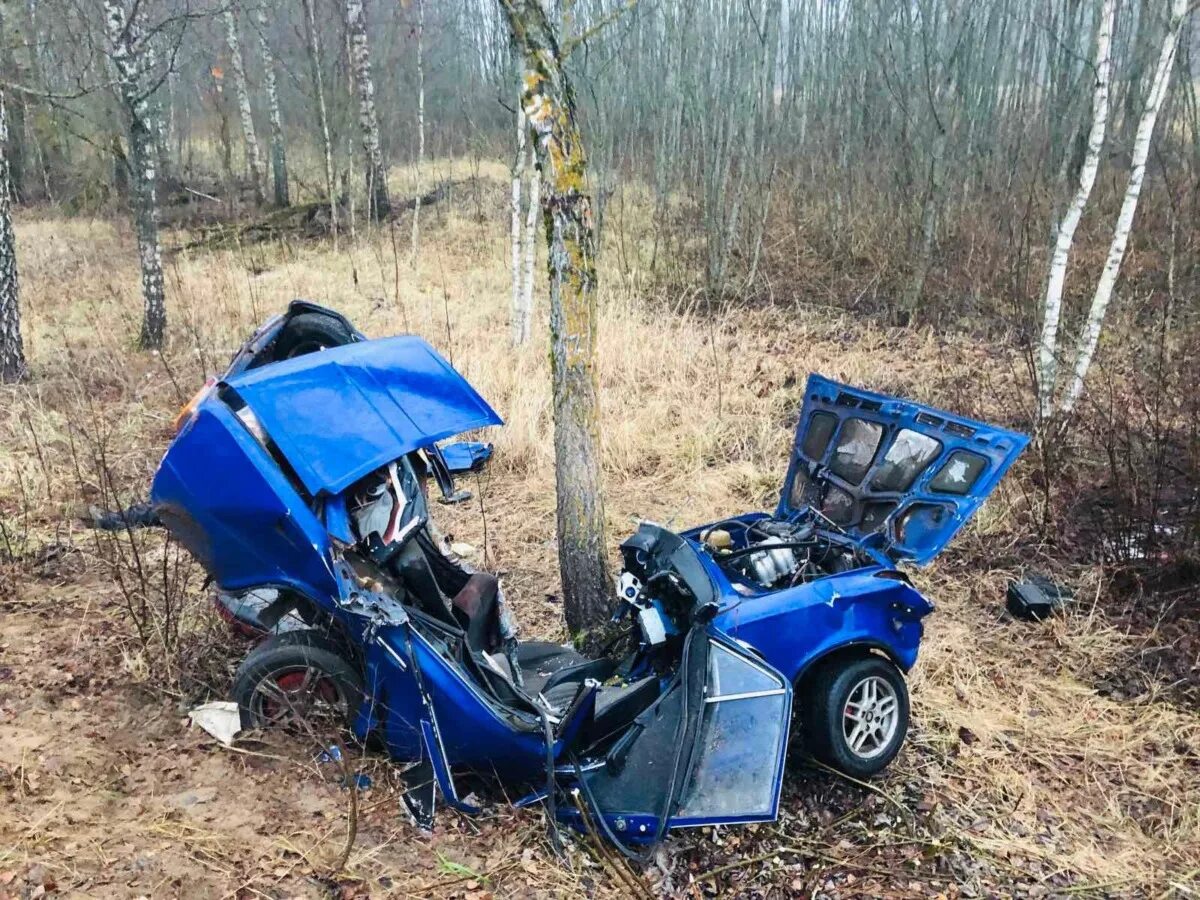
<point>1018,756</point>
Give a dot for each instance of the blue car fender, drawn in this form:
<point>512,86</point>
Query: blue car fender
<point>793,629</point>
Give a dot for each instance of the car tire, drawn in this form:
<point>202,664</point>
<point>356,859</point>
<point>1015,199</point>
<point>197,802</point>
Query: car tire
<point>310,332</point>
<point>854,714</point>
<point>298,679</point>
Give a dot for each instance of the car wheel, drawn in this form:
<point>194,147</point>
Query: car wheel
<point>299,680</point>
<point>854,714</point>
<point>310,332</point>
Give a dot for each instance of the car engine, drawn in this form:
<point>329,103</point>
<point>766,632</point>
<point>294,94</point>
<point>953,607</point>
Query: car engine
<point>777,553</point>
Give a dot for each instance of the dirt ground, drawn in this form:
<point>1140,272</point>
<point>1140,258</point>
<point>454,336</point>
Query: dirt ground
<point>1043,761</point>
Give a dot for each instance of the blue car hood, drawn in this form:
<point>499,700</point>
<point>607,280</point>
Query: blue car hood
<point>897,474</point>
<point>338,415</point>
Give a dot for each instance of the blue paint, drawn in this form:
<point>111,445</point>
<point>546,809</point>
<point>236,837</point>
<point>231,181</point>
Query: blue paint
<point>927,533</point>
<point>274,513</point>
<point>339,415</point>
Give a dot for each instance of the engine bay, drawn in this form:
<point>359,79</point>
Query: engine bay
<point>772,554</point>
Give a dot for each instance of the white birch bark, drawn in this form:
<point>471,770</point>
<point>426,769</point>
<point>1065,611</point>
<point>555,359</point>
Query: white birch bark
<point>348,173</point>
<point>378,202</point>
<point>518,177</point>
<point>12,348</point>
<point>162,145</point>
<point>124,46</point>
<point>1116,251</point>
<point>279,173</point>
<point>253,156</point>
<point>1047,367</point>
<point>314,61</point>
<point>531,219</point>
<point>416,220</point>
<point>172,122</point>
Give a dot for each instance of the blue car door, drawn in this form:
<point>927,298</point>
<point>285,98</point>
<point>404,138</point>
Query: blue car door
<point>710,751</point>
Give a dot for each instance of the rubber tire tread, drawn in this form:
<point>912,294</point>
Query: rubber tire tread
<point>311,328</point>
<point>821,703</point>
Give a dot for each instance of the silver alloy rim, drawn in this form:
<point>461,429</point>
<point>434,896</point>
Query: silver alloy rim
<point>871,717</point>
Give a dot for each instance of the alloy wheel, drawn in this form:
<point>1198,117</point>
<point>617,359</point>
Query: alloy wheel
<point>870,718</point>
<point>298,694</point>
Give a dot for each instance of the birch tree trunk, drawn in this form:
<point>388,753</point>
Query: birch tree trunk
<point>279,172</point>
<point>530,248</point>
<point>416,226</point>
<point>12,348</point>
<point>519,327</point>
<point>314,62</point>
<point>378,203</point>
<point>158,116</point>
<point>124,37</point>
<point>253,157</point>
<point>1137,171</point>
<point>549,104</point>
<point>524,248</point>
<point>1064,237</point>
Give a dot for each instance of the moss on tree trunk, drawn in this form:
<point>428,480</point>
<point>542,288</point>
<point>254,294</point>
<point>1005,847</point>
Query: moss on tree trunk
<point>549,106</point>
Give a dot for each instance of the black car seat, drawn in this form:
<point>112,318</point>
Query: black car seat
<point>413,567</point>
<point>477,612</point>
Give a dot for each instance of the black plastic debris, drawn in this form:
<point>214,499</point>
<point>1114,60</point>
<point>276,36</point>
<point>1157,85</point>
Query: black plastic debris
<point>136,515</point>
<point>1036,598</point>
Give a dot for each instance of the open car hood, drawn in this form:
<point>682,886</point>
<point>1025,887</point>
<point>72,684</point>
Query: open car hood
<point>896,473</point>
<point>338,415</point>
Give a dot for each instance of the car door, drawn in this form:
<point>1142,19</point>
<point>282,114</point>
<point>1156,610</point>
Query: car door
<point>710,751</point>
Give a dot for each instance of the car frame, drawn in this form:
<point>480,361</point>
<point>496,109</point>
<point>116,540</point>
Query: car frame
<point>297,479</point>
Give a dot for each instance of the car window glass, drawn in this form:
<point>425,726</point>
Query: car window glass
<point>730,675</point>
<point>816,437</point>
<point>743,734</point>
<point>734,775</point>
<point>905,459</point>
<point>959,473</point>
<point>856,445</point>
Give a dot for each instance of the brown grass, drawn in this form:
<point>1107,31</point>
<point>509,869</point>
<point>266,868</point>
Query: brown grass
<point>1017,756</point>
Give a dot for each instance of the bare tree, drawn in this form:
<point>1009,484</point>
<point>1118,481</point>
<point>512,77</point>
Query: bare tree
<point>253,156</point>
<point>1120,239</point>
<point>127,52</point>
<point>520,322</point>
<point>524,247</point>
<point>378,203</point>
<point>1064,235</point>
<point>12,348</point>
<point>525,307</point>
<point>314,62</point>
<point>416,220</point>
<point>279,172</point>
<point>549,104</point>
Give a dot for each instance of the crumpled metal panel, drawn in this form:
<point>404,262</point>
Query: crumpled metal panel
<point>900,474</point>
<point>338,415</point>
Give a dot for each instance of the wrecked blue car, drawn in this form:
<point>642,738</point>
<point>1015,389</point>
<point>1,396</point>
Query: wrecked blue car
<point>299,480</point>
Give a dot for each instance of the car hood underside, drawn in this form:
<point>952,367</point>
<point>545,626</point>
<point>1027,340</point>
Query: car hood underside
<point>340,414</point>
<point>898,474</point>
